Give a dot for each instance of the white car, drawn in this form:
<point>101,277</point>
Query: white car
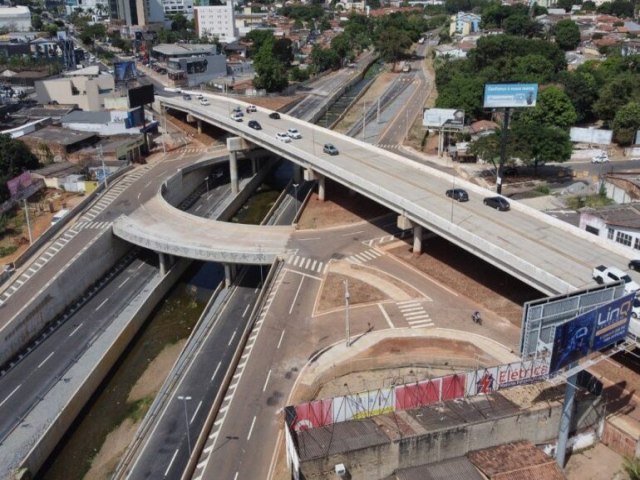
<point>235,116</point>
<point>283,137</point>
<point>601,157</point>
<point>204,101</point>
<point>294,133</point>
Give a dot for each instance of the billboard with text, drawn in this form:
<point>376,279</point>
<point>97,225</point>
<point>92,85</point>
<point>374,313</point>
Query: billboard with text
<point>508,95</point>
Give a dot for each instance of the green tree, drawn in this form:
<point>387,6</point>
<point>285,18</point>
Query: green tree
<point>487,148</point>
<point>15,158</point>
<point>532,69</point>
<point>553,108</point>
<point>464,93</point>
<point>626,123</point>
<point>537,146</point>
<point>566,4</point>
<point>341,43</point>
<point>632,467</point>
<point>392,44</point>
<point>567,34</point>
<point>270,73</point>
<point>324,59</point>
<point>615,94</point>
<point>283,51</point>
<point>582,89</point>
<point>588,6</point>
<point>521,25</point>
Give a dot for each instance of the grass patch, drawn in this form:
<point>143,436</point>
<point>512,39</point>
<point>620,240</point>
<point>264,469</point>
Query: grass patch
<point>139,408</point>
<point>542,189</point>
<point>593,201</point>
<point>8,250</point>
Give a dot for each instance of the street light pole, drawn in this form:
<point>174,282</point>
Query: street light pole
<point>164,134</point>
<point>295,187</point>
<point>185,399</point>
<point>347,297</point>
<point>364,119</point>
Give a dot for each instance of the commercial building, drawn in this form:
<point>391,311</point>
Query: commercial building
<point>172,7</point>
<point>218,21</point>
<point>464,23</point>
<point>191,64</point>
<point>16,19</point>
<point>96,6</point>
<point>86,91</point>
<point>137,12</point>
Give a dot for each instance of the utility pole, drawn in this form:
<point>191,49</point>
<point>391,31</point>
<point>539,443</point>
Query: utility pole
<point>347,297</point>
<point>26,215</point>
<point>503,149</point>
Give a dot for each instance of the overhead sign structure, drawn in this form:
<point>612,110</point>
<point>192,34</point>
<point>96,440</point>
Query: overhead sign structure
<point>442,117</point>
<point>141,96</point>
<point>591,135</point>
<point>508,95</point>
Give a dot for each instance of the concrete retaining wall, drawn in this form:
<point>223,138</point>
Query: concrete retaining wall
<point>85,268</point>
<point>539,426</point>
<point>110,347</point>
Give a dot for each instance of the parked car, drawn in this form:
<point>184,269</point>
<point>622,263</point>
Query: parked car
<point>283,137</point>
<point>204,101</point>
<point>294,133</point>
<point>499,203</point>
<point>330,148</point>
<point>200,96</point>
<point>186,96</point>
<point>634,265</point>
<point>601,157</point>
<point>236,117</point>
<point>605,275</point>
<point>274,115</point>
<point>251,109</point>
<point>458,194</point>
<point>255,125</point>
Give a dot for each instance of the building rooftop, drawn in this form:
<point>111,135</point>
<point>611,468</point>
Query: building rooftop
<point>183,49</point>
<point>78,116</point>
<point>13,11</point>
<point>459,468</point>
<point>91,70</point>
<point>59,136</point>
<point>516,461</point>
<point>627,215</point>
<point>61,169</point>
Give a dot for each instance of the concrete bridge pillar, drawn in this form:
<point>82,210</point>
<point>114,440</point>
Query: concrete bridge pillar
<point>297,174</point>
<point>164,263</point>
<point>321,188</point>
<point>254,166</point>
<point>417,239</point>
<point>199,123</point>
<point>233,172</point>
<point>229,274</point>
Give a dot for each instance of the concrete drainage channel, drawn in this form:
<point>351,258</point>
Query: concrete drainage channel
<point>58,467</point>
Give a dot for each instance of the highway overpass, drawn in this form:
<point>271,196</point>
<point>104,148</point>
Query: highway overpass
<point>542,251</point>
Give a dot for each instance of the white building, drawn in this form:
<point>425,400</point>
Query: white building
<point>173,7</point>
<point>216,21</point>
<point>15,19</point>
<point>86,91</point>
<point>149,12</point>
<point>617,223</point>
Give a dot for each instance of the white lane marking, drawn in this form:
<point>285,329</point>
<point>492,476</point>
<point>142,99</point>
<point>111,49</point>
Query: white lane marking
<point>266,381</point>
<point>308,239</point>
<point>195,412</point>
<point>45,360</point>
<point>100,306</point>
<point>232,337</point>
<point>198,208</point>
<point>253,422</point>
<point>125,281</point>
<point>296,296</point>
<point>10,395</point>
<point>216,371</point>
<point>171,463</point>
<point>281,337</point>
<point>76,329</point>
<point>306,265</point>
<point>245,310</point>
<point>313,265</point>
<point>141,265</point>
<point>353,233</point>
<point>236,476</point>
<point>386,316</point>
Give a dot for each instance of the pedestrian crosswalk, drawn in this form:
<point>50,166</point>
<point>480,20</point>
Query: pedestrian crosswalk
<point>307,263</point>
<point>388,146</point>
<point>110,195</point>
<point>414,313</point>
<point>363,257</point>
<point>92,225</point>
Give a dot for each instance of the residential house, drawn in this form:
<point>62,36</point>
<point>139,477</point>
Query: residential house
<point>618,223</point>
<point>464,23</point>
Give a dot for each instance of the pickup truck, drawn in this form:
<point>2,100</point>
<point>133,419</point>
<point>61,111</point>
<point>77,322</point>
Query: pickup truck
<point>604,275</point>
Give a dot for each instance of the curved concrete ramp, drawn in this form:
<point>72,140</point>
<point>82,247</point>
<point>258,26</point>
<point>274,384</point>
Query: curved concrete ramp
<point>160,227</point>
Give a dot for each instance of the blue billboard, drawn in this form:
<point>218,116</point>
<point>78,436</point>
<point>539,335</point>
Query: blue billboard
<point>594,330</point>
<point>507,95</point>
<point>612,321</point>
<point>124,71</point>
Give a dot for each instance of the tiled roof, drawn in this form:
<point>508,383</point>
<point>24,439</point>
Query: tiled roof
<point>516,461</point>
<point>452,469</point>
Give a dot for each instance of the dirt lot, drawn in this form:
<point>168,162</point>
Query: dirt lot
<point>17,233</point>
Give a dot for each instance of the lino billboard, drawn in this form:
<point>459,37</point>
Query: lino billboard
<point>508,95</point>
<point>591,331</point>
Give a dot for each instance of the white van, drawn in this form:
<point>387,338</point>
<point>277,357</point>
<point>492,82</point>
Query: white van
<point>59,216</point>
